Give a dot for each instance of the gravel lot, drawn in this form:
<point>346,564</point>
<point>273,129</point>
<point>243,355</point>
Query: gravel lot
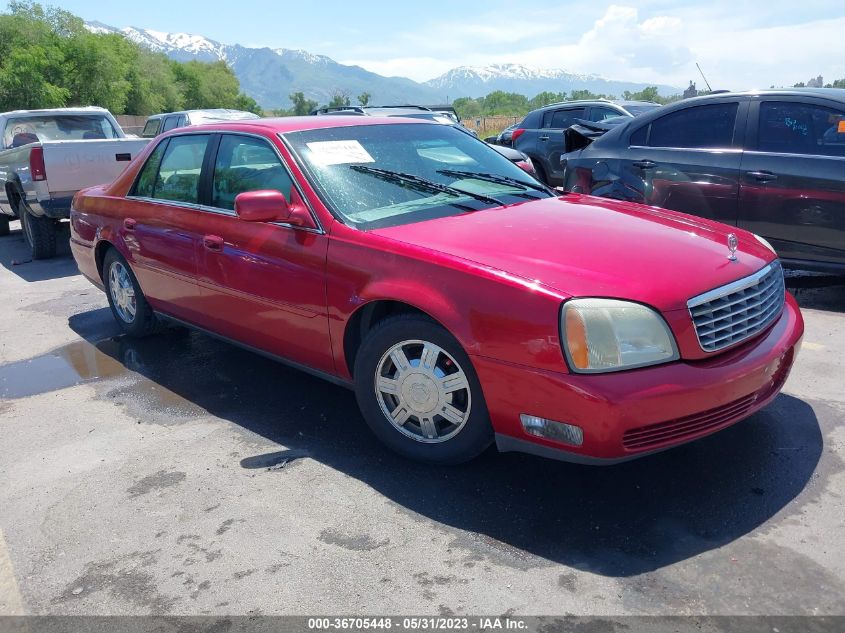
<point>181,475</point>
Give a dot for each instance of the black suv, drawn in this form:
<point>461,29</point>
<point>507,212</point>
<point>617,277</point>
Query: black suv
<point>540,135</point>
<point>770,161</point>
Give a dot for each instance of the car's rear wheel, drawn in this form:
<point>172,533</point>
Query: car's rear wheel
<point>40,233</point>
<point>128,304</point>
<point>419,393</point>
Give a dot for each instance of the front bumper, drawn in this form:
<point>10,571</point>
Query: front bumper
<point>633,413</point>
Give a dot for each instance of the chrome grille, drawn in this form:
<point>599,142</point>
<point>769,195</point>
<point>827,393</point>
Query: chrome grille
<point>735,312</point>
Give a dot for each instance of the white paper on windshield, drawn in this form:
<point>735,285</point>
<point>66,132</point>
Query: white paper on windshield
<point>339,152</point>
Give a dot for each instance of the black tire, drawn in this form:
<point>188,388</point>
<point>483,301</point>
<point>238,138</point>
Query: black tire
<point>144,321</point>
<point>4,225</point>
<point>468,441</point>
<point>541,172</point>
<point>40,233</point>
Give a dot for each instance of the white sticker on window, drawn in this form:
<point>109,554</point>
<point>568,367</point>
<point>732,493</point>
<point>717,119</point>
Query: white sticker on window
<point>339,152</point>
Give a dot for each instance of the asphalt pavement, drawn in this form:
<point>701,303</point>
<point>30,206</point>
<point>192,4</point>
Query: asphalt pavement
<point>181,475</point>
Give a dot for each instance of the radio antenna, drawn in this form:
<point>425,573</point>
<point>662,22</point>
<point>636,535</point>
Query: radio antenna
<point>703,77</point>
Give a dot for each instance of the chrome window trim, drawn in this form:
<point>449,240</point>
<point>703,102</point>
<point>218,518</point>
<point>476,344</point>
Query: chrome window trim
<point>218,210</point>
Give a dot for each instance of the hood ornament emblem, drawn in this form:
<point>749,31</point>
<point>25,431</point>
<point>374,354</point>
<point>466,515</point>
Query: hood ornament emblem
<point>733,242</point>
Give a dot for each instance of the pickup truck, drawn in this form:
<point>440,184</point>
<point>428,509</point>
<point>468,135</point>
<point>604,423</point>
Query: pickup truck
<point>46,156</point>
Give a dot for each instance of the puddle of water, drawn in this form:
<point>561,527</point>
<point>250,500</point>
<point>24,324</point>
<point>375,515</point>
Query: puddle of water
<point>64,367</point>
<point>116,359</point>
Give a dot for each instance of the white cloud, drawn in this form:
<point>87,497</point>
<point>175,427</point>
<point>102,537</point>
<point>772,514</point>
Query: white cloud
<point>737,45</point>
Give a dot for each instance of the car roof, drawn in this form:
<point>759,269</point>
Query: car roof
<point>208,111</point>
<point>283,125</point>
<point>837,94</point>
<point>79,110</point>
<point>579,102</point>
<point>634,102</point>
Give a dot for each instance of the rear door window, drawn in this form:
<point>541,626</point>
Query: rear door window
<point>561,119</point>
<point>700,127</point>
<point>801,128</point>
<point>178,174</point>
<point>170,123</point>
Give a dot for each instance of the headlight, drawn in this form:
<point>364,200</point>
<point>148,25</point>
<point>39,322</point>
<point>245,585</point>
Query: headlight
<point>601,335</point>
<point>764,242</point>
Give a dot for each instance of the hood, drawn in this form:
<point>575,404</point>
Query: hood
<point>587,246</point>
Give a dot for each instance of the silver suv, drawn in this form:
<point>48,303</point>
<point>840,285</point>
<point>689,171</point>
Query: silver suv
<point>160,123</point>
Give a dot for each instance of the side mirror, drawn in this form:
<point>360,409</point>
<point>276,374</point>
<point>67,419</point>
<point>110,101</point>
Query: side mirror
<point>262,206</point>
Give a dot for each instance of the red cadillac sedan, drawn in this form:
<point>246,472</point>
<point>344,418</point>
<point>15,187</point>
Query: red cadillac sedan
<point>463,301</point>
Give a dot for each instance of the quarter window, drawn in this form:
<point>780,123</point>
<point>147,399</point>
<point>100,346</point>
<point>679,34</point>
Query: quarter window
<point>698,127</point>
<point>246,164</point>
<point>179,173</point>
<point>638,138</point>
<point>801,128</point>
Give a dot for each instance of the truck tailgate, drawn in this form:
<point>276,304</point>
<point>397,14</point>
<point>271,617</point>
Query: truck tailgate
<point>74,165</point>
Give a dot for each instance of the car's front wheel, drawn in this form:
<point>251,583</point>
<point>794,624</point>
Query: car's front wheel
<point>419,393</point>
<point>128,304</point>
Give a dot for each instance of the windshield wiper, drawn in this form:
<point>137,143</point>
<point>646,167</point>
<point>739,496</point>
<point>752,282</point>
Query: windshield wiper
<point>502,180</point>
<point>424,184</point>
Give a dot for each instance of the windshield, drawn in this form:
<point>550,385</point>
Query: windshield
<point>383,175</point>
<point>57,127</point>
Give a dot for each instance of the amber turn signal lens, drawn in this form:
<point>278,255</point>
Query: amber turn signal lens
<point>576,339</point>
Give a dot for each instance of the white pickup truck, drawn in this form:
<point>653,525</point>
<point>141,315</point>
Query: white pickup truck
<point>46,156</point>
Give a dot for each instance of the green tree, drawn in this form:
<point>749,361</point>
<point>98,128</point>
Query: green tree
<point>49,59</point>
<point>211,85</point>
<point>545,98</point>
<point>153,85</point>
<point>364,98</point>
<point>98,70</point>
<point>467,107</point>
<point>301,105</point>
<point>340,99</point>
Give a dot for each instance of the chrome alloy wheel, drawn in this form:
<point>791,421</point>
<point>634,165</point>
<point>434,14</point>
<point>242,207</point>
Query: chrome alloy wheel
<point>122,292</point>
<point>423,391</point>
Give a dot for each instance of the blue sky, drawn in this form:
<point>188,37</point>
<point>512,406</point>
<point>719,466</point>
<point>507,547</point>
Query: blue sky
<point>739,44</point>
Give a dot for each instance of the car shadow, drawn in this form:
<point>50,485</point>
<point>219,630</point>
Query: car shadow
<point>15,256</point>
<point>817,291</point>
<point>615,521</point>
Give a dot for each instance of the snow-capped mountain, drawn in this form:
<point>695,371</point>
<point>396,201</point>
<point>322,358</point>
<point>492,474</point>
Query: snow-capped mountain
<point>496,72</point>
<point>270,75</point>
<point>477,81</point>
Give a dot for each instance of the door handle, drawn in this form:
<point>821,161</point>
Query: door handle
<point>644,164</point>
<point>544,138</point>
<point>129,224</point>
<point>212,242</point>
<point>763,176</point>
